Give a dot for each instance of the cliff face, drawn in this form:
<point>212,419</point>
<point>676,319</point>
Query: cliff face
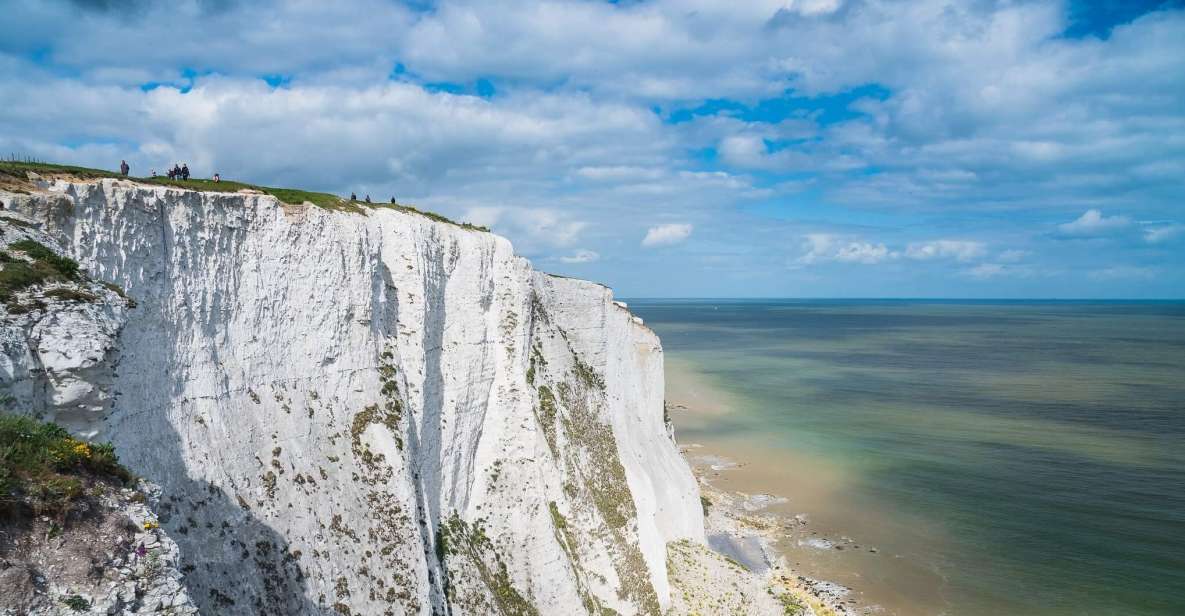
<point>364,412</point>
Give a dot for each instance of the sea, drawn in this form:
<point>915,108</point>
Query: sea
<point>983,457</point>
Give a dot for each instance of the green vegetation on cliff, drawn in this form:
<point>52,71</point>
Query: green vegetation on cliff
<point>13,173</point>
<point>45,266</point>
<point>42,467</point>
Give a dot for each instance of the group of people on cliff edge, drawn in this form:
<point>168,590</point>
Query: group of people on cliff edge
<point>354,197</point>
<point>178,172</point>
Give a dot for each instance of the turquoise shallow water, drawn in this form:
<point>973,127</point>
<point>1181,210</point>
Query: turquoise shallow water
<point>1044,441</point>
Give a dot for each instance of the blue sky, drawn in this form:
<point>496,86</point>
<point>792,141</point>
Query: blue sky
<point>791,148</point>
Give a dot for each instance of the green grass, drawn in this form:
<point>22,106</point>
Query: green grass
<point>429,215</point>
<point>287,195</point>
<point>18,170</point>
<point>296,196</point>
<point>72,295</point>
<point>291,196</point>
<point>42,466</point>
<point>66,267</point>
<point>18,275</point>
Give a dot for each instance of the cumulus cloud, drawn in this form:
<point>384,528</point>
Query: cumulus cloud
<point>961,250</point>
<point>862,252</point>
<point>1093,223</point>
<point>663,235</point>
<point>1161,234</point>
<point>991,114</point>
<point>537,229</point>
<point>824,247</point>
<point>581,256</point>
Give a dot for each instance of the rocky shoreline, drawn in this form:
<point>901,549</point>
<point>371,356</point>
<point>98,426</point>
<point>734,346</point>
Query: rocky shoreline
<point>742,528</point>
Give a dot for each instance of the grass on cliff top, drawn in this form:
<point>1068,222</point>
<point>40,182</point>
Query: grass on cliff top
<point>43,467</point>
<point>15,171</point>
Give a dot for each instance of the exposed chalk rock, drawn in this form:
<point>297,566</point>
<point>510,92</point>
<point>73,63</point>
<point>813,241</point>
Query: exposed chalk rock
<point>365,413</point>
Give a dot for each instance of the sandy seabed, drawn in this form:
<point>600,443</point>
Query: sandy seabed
<point>784,514</point>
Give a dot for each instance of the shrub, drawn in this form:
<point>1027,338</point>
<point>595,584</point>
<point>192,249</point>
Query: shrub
<point>18,275</point>
<point>77,603</point>
<point>65,266</point>
<point>71,295</point>
<point>42,463</point>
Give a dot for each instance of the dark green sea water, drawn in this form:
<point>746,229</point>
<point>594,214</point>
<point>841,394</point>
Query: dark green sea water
<point>1044,441</point>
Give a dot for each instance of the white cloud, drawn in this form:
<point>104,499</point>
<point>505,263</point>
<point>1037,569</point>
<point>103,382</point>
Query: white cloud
<point>824,247</point>
<point>485,216</point>
<point>1012,256</point>
<point>598,113</point>
<point>744,151</point>
<point>610,173</point>
<point>986,270</point>
<point>535,228</point>
<point>862,252</point>
<point>1164,233</point>
<point>1093,223</point>
<point>581,256</point>
<point>818,247</point>
<point>663,235</point>
<point>962,250</point>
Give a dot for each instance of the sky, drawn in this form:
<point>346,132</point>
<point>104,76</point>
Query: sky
<point>699,148</point>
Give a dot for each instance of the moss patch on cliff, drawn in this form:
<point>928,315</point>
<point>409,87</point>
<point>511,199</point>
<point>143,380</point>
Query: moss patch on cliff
<point>71,295</point>
<point>568,542</point>
<point>591,454</point>
<point>546,416</point>
<point>472,563</point>
<point>604,475</point>
<point>63,266</point>
<point>45,469</point>
<point>388,412</point>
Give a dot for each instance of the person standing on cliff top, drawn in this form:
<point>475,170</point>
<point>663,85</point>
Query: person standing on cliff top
<point>184,171</point>
<point>124,168</point>
<point>176,172</point>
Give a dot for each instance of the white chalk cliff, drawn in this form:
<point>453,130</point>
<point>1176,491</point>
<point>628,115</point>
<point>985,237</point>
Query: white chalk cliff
<point>357,412</point>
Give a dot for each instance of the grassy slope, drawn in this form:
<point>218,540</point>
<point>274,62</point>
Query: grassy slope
<point>293,196</point>
<point>43,467</point>
<point>44,266</point>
